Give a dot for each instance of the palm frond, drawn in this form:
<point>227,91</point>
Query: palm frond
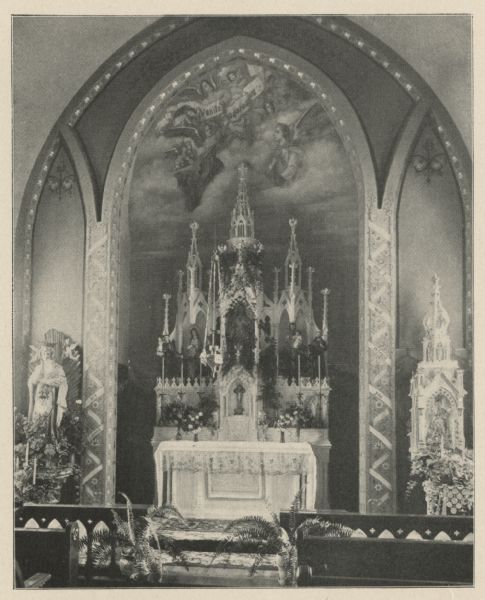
<point>324,528</point>
<point>130,517</point>
<point>168,512</point>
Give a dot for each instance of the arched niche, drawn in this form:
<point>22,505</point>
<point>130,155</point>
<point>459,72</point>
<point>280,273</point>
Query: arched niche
<point>121,174</point>
<point>431,237</point>
<point>430,234</point>
<point>58,254</point>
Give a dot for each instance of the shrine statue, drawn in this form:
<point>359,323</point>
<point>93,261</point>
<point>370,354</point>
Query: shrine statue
<point>318,347</point>
<point>239,391</point>
<point>439,433</point>
<point>193,352</point>
<point>47,390</point>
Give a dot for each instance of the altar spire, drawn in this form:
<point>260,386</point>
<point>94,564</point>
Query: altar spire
<point>242,219</point>
<point>194,264</point>
<point>293,260</point>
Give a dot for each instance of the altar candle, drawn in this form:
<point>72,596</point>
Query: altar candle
<point>299,380</point>
<point>200,372</point>
<point>163,369</point>
<point>27,454</point>
<point>319,369</point>
<point>34,474</point>
<point>182,369</point>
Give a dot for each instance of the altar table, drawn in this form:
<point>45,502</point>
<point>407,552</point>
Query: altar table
<point>226,480</point>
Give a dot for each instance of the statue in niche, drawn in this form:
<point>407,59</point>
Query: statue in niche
<point>239,391</point>
<point>439,434</point>
<point>47,390</point>
<point>193,352</point>
<point>318,348</point>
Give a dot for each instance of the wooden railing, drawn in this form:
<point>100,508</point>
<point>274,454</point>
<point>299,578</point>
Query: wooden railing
<point>390,526</point>
<point>450,536</point>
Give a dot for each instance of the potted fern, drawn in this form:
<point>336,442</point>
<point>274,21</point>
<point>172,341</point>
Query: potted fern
<point>140,543</point>
<point>260,536</point>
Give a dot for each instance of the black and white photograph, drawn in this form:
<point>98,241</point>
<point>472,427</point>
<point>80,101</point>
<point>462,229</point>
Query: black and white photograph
<point>243,324</point>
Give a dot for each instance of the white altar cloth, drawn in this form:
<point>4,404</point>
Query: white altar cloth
<point>227,479</point>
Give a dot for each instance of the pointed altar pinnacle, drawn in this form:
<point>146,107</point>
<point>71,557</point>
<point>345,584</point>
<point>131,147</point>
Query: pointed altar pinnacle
<point>242,219</point>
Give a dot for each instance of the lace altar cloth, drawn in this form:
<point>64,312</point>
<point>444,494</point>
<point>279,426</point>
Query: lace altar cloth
<point>267,458</point>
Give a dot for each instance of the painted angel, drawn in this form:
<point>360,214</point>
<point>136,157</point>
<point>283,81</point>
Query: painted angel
<point>288,159</point>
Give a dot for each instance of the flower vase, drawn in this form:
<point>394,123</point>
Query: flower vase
<point>179,433</point>
<point>282,436</point>
<point>298,431</point>
<point>196,436</point>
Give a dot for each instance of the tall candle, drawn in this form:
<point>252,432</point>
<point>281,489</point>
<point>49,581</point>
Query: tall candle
<point>299,380</point>
<point>27,454</point>
<point>163,369</point>
<point>319,369</point>
<point>200,372</point>
<point>182,369</point>
<point>34,474</point>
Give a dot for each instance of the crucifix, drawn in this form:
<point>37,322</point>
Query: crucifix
<point>239,393</point>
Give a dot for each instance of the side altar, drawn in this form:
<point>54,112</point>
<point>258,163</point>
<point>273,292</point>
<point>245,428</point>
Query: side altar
<point>242,401</point>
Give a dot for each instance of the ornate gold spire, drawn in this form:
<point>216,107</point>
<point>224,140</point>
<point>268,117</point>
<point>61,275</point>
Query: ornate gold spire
<point>242,219</point>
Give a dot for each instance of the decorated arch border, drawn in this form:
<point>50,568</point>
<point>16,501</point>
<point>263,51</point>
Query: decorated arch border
<point>353,139</point>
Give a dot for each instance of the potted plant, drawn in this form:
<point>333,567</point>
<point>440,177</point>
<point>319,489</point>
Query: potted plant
<point>139,543</point>
<point>441,473</point>
<point>260,536</point>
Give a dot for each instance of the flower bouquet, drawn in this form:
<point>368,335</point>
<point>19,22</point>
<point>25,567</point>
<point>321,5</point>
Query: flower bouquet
<point>447,479</point>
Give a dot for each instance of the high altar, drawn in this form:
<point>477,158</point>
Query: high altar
<point>240,466</point>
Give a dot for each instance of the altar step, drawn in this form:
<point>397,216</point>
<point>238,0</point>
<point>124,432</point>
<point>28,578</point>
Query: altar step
<point>232,570</point>
<point>199,543</point>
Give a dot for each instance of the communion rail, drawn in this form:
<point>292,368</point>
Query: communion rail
<point>387,550</point>
<point>384,549</point>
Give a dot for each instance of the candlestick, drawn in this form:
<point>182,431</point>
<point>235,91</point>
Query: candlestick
<point>182,369</point>
<point>325,294</point>
<point>163,369</point>
<point>34,474</point>
<point>299,378</point>
<point>276,291</point>
<point>200,372</point>
<point>27,454</point>
<point>319,369</point>
<point>166,298</point>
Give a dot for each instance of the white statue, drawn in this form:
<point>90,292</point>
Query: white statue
<point>47,390</point>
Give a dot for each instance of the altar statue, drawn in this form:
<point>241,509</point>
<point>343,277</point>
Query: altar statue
<point>239,393</point>
<point>47,390</point>
<point>193,352</point>
<point>318,348</point>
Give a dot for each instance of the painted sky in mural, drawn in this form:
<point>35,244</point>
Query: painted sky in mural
<point>186,170</point>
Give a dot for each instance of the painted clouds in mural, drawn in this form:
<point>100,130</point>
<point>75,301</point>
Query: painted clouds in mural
<point>238,111</point>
